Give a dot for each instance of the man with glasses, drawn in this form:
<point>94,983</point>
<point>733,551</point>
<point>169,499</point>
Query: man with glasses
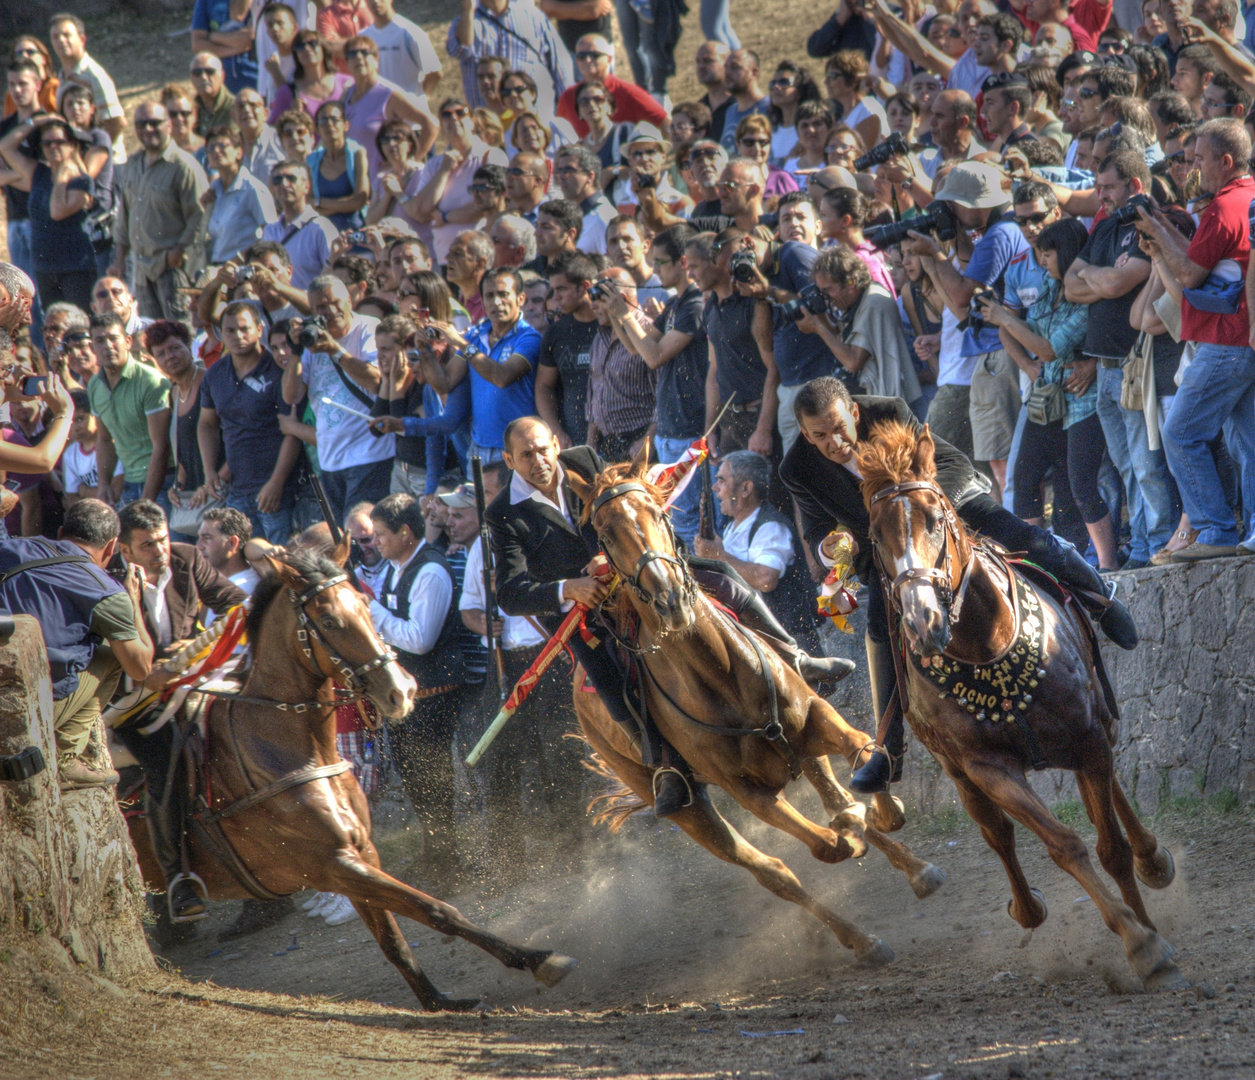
<point>160,217</point>
<point>225,29</point>
<point>740,80</point>
<point>525,181</point>
<point>300,229</point>
<point>68,34</point>
<point>577,169</point>
<point>406,56</point>
<point>707,162</point>
<point>1224,97</point>
<point>213,99</point>
<point>369,566</point>
<point>594,56</point>
<point>240,205</point>
<point>259,142</point>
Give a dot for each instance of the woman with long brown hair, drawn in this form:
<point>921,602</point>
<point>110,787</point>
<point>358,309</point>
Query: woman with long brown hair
<point>314,79</point>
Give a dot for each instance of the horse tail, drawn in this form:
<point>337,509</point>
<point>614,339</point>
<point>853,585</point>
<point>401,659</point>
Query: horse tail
<point>618,802</point>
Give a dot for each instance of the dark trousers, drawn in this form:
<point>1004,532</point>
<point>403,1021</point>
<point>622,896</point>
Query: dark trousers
<point>346,488</point>
<point>616,447</point>
<point>532,763</point>
<point>422,749</point>
<point>72,286</point>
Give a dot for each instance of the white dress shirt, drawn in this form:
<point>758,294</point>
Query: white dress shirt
<point>157,608</point>
<point>430,596</point>
<point>516,632</point>
<point>772,544</point>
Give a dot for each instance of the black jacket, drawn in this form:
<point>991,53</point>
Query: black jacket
<point>829,496</point>
<point>535,546</point>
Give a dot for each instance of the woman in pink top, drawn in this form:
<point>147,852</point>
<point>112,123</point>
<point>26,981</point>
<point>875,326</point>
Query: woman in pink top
<point>313,82</point>
<point>373,101</point>
<point>753,141</point>
<point>842,212</point>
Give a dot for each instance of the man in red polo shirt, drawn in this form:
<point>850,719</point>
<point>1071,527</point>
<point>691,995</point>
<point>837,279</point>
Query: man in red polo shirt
<point>632,104</point>
<point>341,20</point>
<point>1218,388</point>
<point>1085,19</point>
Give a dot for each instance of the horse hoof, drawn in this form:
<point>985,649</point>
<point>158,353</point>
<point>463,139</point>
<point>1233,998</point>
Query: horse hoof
<point>1032,921</point>
<point>928,880</point>
<point>1158,871</point>
<point>887,814</point>
<point>554,969</point>
<point>874,954</point>
<point>450,1004</point>
<point>1152,961</point>
<point>1165,978</point>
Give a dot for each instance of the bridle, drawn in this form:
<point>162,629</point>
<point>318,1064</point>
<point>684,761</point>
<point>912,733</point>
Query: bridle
<point>352,676</point>
<point>939,576</point>
<point>647,556</point>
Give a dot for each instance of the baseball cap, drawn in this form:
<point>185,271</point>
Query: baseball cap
<point>460,498</point>
<point>976,185</point>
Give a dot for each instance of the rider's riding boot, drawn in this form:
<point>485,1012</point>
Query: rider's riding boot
<point>1096,596</point>
<point>884,766</point>
<point>673,789</point>
<point>165,826</point>
<point>756,615</point>
<point>257,915</point>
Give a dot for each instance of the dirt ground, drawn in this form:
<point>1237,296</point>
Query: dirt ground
<point>689,969</point>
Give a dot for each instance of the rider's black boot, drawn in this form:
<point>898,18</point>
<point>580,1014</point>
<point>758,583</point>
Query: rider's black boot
<point>165,827</point>
<point>884,765</point>
<point>1095,595</point>
<point>673,784</point>
<point>755,614</point>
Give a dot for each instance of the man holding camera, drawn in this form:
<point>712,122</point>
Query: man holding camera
<point>1107,276</point>
<point>338,368</point>
<point>974,193</point>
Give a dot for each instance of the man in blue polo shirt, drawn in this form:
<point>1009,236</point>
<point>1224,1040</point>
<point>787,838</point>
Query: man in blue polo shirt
<point>499,356</point>
<point>241,398</point>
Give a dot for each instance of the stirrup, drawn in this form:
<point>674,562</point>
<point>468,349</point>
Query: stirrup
<point>688,788</point>
<point>893,772</point>
<point>196,879</point>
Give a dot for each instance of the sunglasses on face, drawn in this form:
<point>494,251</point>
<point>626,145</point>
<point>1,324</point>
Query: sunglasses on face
<point>181,114</point>
<point>1032,219</point>
<point>350,54</point>
<point>728,185</point>
<point>514,91</point>
<point>568,170</point>
<point>516,171</point>
<point>755,142</point>
<point>307,46</point>
<point>204,72</point>
<point>483,187</point>
<point>149,123</point>
<point>1176,158</point>
<point>283,178</point>
<point>782,84</point>
<point>455,114</point>
<point>1087,92</point>
<point>588,55</point>
<point>698,155</point>
<point>53,142</point>
<point>393,139</point>
<point>594,99</point>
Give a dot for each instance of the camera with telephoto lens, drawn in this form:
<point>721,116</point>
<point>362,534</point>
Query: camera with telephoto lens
<point>646,181</point>
<point>809,299</point>
<point>307,336</point>
<point>744,266</point>
<point>1128,212</point>
<point>939,223</point>
<point>894,146</point>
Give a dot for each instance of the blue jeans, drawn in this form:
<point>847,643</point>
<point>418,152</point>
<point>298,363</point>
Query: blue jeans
<point>358,483</point>
<point>19,236</point>
<point>1153,514</point>
<point>717,24</point>
<point>1217,394</point>
<point>686,512</point>
<point>1008,491</point>
<point>486,454</point>
<point>640,41</point>
<point>276,527</point>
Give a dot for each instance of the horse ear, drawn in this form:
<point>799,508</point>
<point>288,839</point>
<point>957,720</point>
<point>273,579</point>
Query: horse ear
<point>924,465</point>
<point>582,488</point>
<point>340,556</point>
<point>640,463</point>
<point>291,577</point>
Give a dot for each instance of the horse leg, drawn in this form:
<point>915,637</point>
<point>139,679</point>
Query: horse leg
<point>1152,863</point>
<point>705,825</point>
<point>383,925</point>
<point>846,812</point>
<point>1148,953</point>
<point>923,877</point>
<point>887,812</point>
<point>1113,850</point>
<point>369,887</point>
<point>826,732</point>
<point>1026,906</point>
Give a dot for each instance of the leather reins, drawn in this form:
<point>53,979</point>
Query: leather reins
<point>647,556</point>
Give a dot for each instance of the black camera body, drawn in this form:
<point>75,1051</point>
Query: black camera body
<point>356,237</point>
<point>307,336</point>
<point>894,146</point>
<point>939,223</point>
<point>245,273</point>
<point>976,321</point>
<point>744,266</point>
<point>809,299</point>
<point>432,333</point>
<point>1128,212</point>
<point>647,181</point>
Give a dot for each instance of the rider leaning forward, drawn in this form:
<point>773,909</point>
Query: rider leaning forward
<point>543,554</point>
<point>822,474</point>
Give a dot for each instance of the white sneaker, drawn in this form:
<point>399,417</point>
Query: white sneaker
<point>340,911</point>
<point>325,900</point>
<point>1247,546</point>
<point>312,902</point>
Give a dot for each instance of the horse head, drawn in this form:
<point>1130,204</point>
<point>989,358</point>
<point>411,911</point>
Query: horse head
<point>637,539</point>
<point>335,630</point>
<point>919,544</point>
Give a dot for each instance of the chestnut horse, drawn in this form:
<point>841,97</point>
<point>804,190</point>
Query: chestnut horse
<point>706,689</point>
<point>309,628</point>
<point>1000,673</point>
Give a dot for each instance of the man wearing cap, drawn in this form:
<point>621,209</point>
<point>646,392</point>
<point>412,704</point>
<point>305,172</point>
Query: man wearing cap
<point>647,181</point>
<point>1006,102</point>
<point>594,56</point>
<point>975,196</point>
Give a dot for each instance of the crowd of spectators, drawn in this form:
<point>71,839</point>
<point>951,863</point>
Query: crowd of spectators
<point>308,261</point>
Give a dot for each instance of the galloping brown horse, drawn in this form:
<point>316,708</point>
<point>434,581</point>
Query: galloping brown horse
<point>309,628</point>
<point>1001,673</point>
<point>715,693</point>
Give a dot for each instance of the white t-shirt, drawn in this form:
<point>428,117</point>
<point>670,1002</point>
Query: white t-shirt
<point>869,106</point>
<point>405,53</point>
<point>783,141</point>
<point>772,546</point>
<point>344,440</point>
<point>457,191</point>
<point>79,468</point>
<point>305,16</point>
<point>517,632</point>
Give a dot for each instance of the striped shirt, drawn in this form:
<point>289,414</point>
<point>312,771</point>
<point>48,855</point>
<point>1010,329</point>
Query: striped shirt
<point>622,390</point>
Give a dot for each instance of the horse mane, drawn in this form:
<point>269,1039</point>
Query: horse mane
<point>887,456</point>
<point>618,474</point>
<point>312,566</point>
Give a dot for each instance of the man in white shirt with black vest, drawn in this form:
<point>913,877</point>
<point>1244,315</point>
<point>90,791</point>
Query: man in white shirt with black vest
<point>416,616</point>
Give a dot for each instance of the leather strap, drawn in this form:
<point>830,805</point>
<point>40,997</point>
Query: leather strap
<point>290,780</point>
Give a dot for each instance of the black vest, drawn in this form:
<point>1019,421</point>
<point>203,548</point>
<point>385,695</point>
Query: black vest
<point>442,665</point>
<point>792,601</point>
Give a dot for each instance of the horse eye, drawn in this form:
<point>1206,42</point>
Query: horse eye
<point>330,622</point>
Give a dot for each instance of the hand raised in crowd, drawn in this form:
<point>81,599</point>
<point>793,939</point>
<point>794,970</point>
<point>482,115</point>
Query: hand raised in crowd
<point>449,332</point>
<point>928,346</point>
<point>388,425</point>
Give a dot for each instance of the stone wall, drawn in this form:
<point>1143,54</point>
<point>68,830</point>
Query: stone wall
<point>68,879</point>
<point>1186,694</point>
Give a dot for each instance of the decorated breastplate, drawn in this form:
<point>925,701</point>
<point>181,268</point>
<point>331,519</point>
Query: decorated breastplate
<point>998,688</point>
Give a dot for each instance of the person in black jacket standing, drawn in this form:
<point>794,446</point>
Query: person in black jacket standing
<point>821,473</point>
